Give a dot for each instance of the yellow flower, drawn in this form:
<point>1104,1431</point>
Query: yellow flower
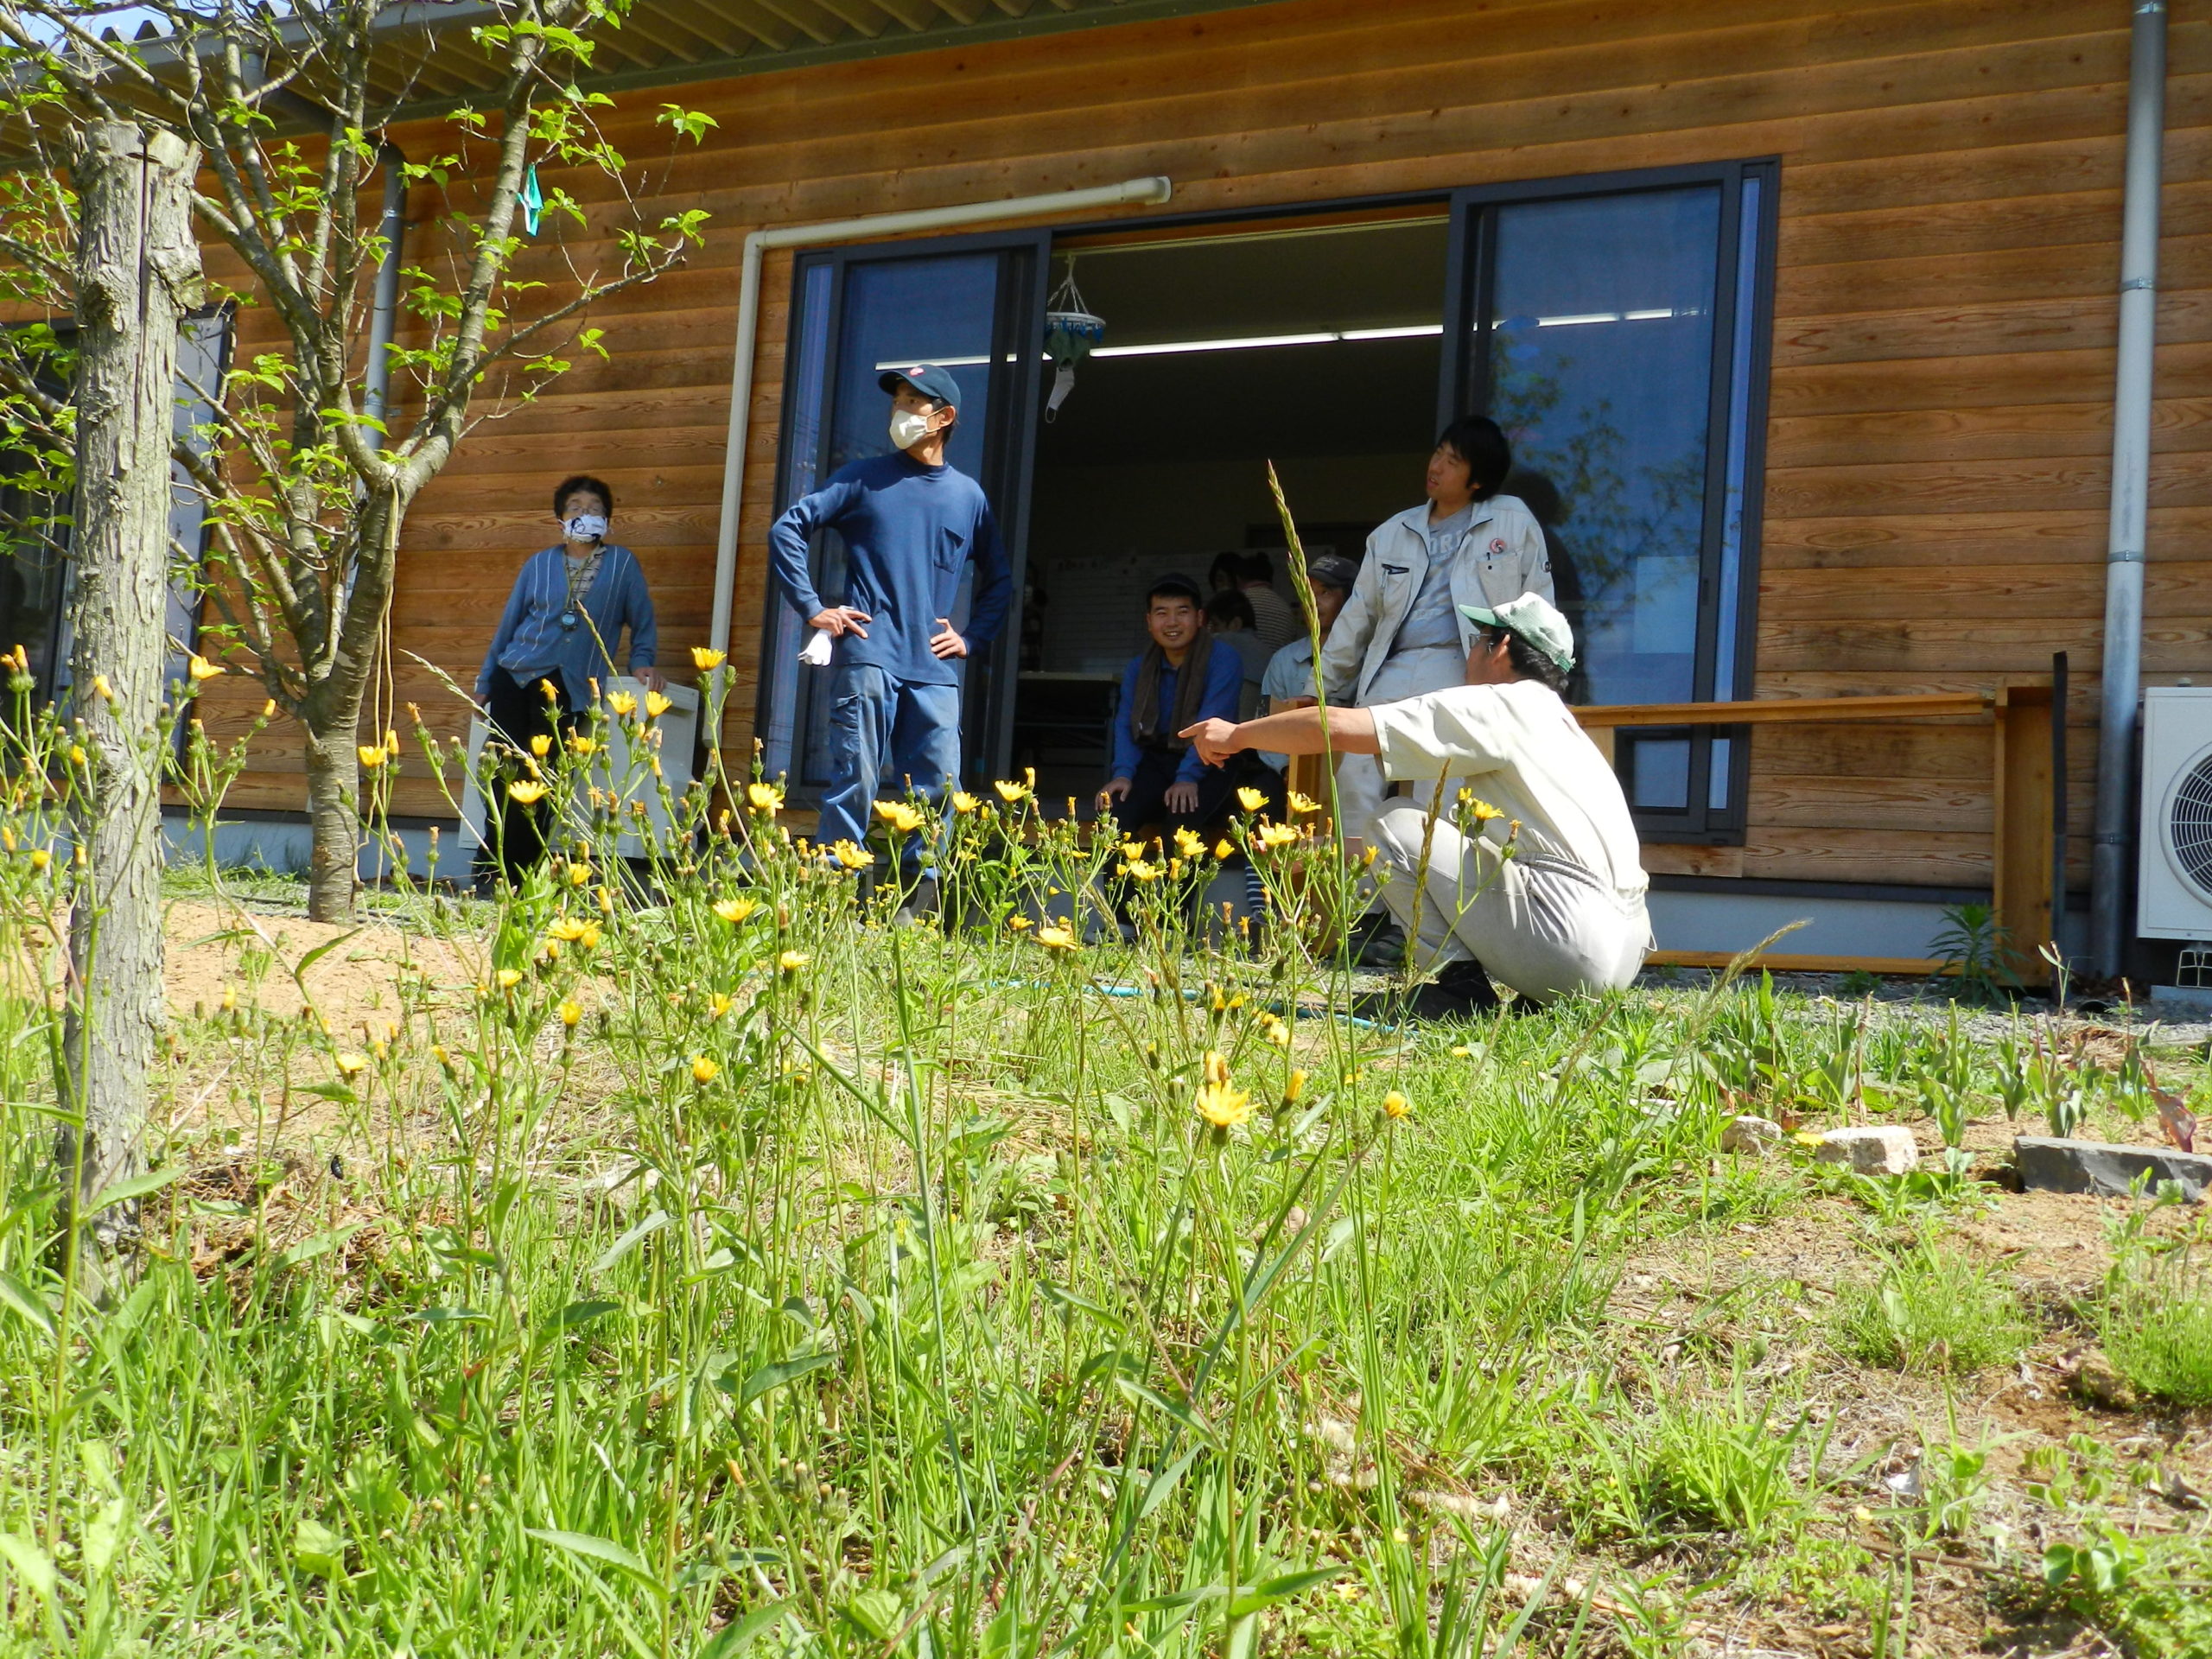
<point>1278,1031</point>
<point>1223,1106</point>
<point>900,816</point>
<point>1018,923</point>
<point>718,1005</point>
<point>852,857</point>
<point>1222,848</point>
<point>579,875</point>
<point>1273,835</point>
<point>269,708</point>
<point>657,704</point>
<point>1189,843</point>
<point>525,793</point>
<point>1011,793</point>
<point>571,1015</point>
<point>542,744</point>
<point>704,658</point>
<point>1217,1065</point>
<point>764,798</point>
<point>571,931</point>
<point>438,1053</point>
<point>350,1064</point>
<point>1133,851</point>
<point>230,999</point>
<point>622,703</point>
<point>1294,1088</point>
<point>734,910</point>
<point>372,755</point>
<point>1460,1051</point>
<point>200,669</point>
<point>1484,811</point>
<point>1055,938</point>
<point>1140,870</point>
<point>547,690</point>
<point>580,745</point>
<point>509,978</point>
<point>1396,1105</point>
<point>1301,804</point>
<point>792,961</point>
<point>77,756</point>
<point>963,802</point>
<point>41,858</point>
<point>1251,799</point>
<point>102,690</point>
<point>704,1070</point>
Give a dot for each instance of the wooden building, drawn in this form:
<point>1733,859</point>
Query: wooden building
<point>1803,315</point>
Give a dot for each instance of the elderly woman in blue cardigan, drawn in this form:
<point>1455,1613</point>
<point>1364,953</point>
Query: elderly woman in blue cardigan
<point>571,604</point>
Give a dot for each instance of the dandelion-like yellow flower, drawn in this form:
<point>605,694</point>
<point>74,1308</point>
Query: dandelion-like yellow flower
<point>1278,1031</point>
<point>1223,1106</point>
<point>230,999</point>
<point>623,704</point>
<point>704,1070</point>
<point>792,961</point>
<point>1273,835</point>
<point>718,1005</point>
<point>899,816</point>
<point>509,978</point>
<point>852,857</point>
<point>765,798</point>
<point>1294,1088</point>
<point>1460,1051</point>
<point>571,1015</point>
<point>77,756</point>
<point>1055,938</point>
<point>1011,793</point>
<point>41,858</point>
<point>1132,850</point>
<point>1251,799</point>
<point>581,746</point>
<point>1302,804</point>
<point>438,1053</point>
<point>1484,811</point>
<point>963,802</point>
<point>657,704</point>
<point>1221,848</point>
<point>523,792</point>
<point>542,744</point>
<point>202,670</point>
<point>734,910</point>
<point>551,693</point>
<point>1396,1105</point>
<point>1137,869</point>
<point>102,690</point>
<point>705,659</point>
<point>349,1064</point>
<point>1190,842</point>
<point>579,875</point>
<point>571,930</point>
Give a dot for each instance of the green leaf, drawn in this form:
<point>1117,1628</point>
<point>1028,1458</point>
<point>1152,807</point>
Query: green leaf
<point>1283,1587</point>
<point>577,1313</point>
<point>735,1636</point>
<point>630,1241</point>
<point>769,1378</point>
<point>877,1612</point>
<point>300,969</point>
<point>318,1549</point>
<point>32,1564</point>
<point>134,1186</point>
<point>452,1316</point>
<point>600,1549</point>
<point>14,1293</point>
<point>321,1244</point>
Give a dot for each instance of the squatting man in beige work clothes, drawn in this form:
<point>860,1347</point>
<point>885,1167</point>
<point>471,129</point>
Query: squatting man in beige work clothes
<point>1564,914</point>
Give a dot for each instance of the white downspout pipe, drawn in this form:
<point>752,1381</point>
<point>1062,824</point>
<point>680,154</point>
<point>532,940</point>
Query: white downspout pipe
<point>1155,189</point>
<point>2131,480</point>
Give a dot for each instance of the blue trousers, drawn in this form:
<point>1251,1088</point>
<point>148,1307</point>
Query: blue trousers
<point>876,719</point>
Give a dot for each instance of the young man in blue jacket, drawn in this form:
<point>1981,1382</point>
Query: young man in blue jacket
<point>1184,677</point>
<point>910,524</point>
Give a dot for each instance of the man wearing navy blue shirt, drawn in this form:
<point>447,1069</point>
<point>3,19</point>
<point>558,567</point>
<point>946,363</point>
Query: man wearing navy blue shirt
<point>1159,778</point>
<point>910,525</point>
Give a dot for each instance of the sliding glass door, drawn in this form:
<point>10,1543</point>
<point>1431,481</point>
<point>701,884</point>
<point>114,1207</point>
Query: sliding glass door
<point>1616,328</point>
<point>966,303</point>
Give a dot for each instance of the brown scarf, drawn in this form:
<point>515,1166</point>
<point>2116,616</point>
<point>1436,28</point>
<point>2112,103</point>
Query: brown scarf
<point>1190,690</point>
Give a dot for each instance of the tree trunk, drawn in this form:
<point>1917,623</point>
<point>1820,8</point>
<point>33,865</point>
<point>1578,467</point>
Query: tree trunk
<point>335,806</point>
<point>138,273</point>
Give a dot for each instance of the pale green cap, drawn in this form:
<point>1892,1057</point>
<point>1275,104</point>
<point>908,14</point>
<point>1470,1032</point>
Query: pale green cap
<point>1534,619</point>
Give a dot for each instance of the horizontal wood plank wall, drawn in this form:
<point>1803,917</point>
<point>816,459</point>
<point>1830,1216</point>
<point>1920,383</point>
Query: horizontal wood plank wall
<point>1938,453</point>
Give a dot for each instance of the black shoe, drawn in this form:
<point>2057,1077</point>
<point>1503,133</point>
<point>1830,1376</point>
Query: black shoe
<point>1377,941</point>
<point>1461,991</point>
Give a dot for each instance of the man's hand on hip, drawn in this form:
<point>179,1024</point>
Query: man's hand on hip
<point>837,620</point>
<point>944,643</point>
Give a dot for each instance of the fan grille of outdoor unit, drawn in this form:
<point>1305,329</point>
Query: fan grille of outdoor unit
<point>2189,825</point>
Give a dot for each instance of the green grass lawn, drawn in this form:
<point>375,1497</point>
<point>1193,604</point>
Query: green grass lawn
<point>737,1271</point>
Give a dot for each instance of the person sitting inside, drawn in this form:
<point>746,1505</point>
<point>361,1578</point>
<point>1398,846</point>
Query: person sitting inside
<point>1561,913</point>
<point>1275,619</point>
<point>1183,677</point>
<point>1228,620</point>
<point>1290,682</point>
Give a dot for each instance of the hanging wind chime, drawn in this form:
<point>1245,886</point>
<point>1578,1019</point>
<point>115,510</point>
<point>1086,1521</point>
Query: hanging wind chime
<point>1071,333</point>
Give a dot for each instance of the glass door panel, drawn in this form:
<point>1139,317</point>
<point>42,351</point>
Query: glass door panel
<point>856,314</point>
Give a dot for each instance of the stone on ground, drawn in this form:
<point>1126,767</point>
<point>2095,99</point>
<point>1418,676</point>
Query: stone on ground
<point>2050,1165</point>
<point>1886,1150</point>
<point>1749,1133</point>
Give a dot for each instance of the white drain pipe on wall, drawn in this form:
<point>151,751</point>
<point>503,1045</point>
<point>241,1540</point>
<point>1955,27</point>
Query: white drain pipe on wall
<point>1155,189</point>
<point>2131,482</point>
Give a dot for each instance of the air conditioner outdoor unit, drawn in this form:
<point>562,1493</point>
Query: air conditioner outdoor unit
<point>2173,885</point>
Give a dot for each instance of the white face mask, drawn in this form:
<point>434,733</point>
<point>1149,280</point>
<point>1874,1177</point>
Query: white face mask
<point>907,428</point>
<point>586,527</point>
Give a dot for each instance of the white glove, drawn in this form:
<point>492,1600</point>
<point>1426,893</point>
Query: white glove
<point>816,654</point>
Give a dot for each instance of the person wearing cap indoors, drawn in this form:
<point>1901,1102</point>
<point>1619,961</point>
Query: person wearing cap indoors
<point>1563,913</point>
<point>567,611</point>
<point>1289,681</point>
<point>910,525</point>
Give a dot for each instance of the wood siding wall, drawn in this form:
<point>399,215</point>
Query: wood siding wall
<point>1938,453</point>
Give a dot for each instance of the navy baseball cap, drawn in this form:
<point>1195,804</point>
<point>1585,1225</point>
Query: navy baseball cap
<point>926,378</point>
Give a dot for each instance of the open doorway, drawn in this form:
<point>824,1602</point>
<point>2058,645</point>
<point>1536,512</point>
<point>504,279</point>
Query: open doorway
<point>1315,347</point>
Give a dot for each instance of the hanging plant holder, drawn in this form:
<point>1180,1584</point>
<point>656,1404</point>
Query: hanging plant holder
<point>1071,333</point>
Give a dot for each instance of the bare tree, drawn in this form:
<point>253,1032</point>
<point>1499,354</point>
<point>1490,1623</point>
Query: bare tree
<point>137,275</point>
<point>308,468</point>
